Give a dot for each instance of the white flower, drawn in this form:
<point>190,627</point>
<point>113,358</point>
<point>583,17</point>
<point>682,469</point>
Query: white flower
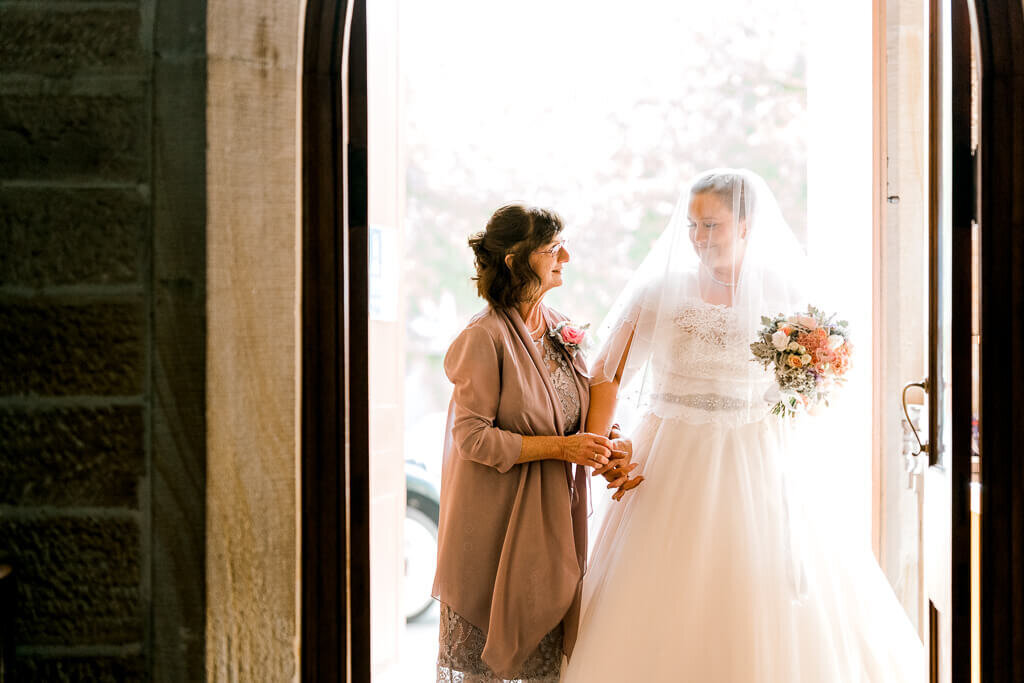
<point>780,340</point>
<point>835,341</point>
<point>807,321</point>
<point>806,359</point>
<point>793,346</point>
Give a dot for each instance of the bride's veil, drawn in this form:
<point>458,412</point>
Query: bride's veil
<point>726,258</point>
<point>689,262</point>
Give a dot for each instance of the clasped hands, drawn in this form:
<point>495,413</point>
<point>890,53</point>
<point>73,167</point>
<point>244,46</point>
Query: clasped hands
<point>619,467</point>
<point>611,457</point>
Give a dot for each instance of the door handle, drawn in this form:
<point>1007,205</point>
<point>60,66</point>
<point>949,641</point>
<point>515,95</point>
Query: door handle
<point>915,462</point>
<point>921,446</point>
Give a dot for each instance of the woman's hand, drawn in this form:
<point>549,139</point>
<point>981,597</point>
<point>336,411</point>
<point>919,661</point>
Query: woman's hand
<point>589,450</point>
<point>620,462</point>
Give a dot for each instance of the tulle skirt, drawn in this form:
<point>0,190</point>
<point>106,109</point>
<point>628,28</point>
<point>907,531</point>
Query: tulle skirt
<point>711,571</point>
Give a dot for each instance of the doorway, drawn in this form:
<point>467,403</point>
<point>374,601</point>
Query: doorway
<point>362,655</point>
<point>575,129</point>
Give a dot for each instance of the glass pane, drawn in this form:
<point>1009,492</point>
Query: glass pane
<point>543,112</point>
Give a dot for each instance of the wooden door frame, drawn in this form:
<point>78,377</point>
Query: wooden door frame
<point>334,603</point>
<point>961,217</point>
<point>955,462</point>
<point>1000,206</point>
<point>334,412</point>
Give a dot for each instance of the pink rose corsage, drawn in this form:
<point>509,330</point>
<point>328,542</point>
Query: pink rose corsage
<point>570,335</point>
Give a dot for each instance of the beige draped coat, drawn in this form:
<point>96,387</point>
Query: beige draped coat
<point>512,541</point>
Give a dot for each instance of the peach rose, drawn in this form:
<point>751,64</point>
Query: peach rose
<point>824,355</point>
<point>813,340</point>
<point>807,321</point>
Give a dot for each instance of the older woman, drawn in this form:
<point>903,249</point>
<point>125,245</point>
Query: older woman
<point>512,539</point>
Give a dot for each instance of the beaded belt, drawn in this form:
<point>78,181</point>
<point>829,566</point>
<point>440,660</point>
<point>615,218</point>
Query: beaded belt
<point>704,401</point>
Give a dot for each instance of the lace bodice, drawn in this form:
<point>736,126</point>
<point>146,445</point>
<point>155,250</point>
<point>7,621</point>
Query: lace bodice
<point>708,342</point>
<point>703,372</point>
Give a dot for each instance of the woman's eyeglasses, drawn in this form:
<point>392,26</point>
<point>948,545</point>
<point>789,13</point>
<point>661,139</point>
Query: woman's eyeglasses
<point>554,249</point>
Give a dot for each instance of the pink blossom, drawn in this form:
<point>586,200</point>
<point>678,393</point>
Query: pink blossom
<point>572,335</point>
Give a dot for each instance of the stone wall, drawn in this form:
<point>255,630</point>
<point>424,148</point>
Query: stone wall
<point>102,336</point>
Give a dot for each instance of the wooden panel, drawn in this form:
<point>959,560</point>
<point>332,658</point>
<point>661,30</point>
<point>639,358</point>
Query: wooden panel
<point>961,339</point>
<point>252,430</point>
<point>901,334</point>
<point>335,403</point>
<point>357,357</point>
<point>1001,213</point>
<point>324,601</point>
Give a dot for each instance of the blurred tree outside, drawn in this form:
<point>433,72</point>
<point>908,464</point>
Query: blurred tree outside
<point>598,112</point>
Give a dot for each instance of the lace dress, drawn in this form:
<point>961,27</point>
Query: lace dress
<point>460,642</point>
<point>730,577</point>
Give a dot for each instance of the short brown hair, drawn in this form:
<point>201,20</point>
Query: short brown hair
<point>517,230</point>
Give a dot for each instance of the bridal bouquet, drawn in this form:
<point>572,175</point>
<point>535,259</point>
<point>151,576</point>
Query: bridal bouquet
<point>810,354</point>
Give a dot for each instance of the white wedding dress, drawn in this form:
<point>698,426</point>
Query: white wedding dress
<point>712,571</point>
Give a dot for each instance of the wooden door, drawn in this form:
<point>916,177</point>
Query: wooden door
<point>334,454</point>
<point>1000,212</point>
<point>946,510</point>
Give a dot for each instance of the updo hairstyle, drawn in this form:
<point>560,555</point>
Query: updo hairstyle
<point>517,230</point>
<point>723,185</point>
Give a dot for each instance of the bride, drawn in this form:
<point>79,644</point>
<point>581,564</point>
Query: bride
<point>713,571</point>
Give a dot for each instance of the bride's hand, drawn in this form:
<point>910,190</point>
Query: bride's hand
<point>619,474</point>
<point>630,484</point>
<point>618,469</point>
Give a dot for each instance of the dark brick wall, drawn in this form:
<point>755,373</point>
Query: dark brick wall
<point>53,348</point>
<point>77,137</point>
<point>92,457</point>
<point>65,236</point>
<point>84,577</point>
<point>95,669</point>
<point>102,296</point>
